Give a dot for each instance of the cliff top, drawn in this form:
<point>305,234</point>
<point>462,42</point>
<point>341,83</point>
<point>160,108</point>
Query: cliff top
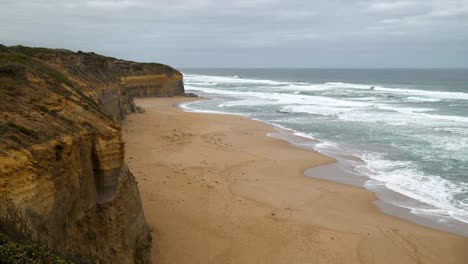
<point>47,93</point>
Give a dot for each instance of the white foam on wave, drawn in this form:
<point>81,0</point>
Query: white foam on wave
<point>223,91</point>
<point>356,111</point>
<point>350,85</point>
<point>412,94</point>
<point>189,108</point>
<point>199,79</point>
<point>404,110</point>
<point>402,115</point>
<point>316,109</point>
<point>268,98</point>
<point>436,194</point>
<point>349,110</point>
<point>324,145</point>
<point>368,99</point>
<point>429,94</point>
<point>446,147</point>
<point>426,95</point>
<point>303,87</point>
<point>404,178</point>
<point>422,99</point>
<point>294,132</point>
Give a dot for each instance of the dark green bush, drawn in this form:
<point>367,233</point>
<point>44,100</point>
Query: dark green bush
<point>10,69</point>
<point>91,236</point>
<point>12,253</point>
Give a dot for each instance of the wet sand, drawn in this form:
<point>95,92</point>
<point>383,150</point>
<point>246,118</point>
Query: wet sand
<point>216,189</point>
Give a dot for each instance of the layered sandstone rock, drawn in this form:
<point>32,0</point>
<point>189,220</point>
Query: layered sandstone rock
<point>63,180</point>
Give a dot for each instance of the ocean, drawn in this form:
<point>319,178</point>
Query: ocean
<point>403,131</point>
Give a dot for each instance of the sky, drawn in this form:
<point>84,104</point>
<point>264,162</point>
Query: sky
<point>249,33</point>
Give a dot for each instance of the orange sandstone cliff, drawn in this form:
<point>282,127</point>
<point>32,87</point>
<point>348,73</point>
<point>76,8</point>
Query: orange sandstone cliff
<point>63,180</point>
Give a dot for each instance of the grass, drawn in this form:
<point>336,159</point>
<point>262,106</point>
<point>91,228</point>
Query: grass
<point>15,57</point>
<point>31,51</point>
<point>13,64</point>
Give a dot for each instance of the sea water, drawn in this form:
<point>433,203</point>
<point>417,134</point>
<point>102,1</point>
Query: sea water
<point>409,127</point>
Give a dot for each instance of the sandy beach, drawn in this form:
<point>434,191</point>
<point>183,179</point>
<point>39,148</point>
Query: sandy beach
<point>216,189</point>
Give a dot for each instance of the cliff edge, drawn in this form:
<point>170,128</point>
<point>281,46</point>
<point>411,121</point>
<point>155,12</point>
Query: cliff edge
<point>63,180</point>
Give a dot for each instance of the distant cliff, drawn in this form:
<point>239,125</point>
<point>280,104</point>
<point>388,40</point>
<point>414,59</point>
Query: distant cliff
<point>63,180</point>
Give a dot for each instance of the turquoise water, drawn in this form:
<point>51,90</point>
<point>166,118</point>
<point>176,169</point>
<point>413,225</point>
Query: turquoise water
<point>410,127</point>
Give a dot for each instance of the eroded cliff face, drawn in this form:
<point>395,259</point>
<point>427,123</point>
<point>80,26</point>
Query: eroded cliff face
<point>112,82</point>
<point>63,180</point>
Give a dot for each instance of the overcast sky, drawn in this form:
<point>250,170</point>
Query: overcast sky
<point>248,33</point>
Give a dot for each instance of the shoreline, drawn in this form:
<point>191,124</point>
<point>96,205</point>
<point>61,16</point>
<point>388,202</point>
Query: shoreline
<point>343,171</point>
<point>387,200</point>
<point>316,220</point>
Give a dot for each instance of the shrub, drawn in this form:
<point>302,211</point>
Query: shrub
<point>91,236</point>
<point>11,252</point>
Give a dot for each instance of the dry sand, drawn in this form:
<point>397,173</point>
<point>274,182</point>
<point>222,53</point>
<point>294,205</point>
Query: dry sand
<point>216,189</point>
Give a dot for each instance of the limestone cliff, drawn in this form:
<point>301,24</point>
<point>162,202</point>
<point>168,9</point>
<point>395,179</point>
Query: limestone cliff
<point>63,180</point>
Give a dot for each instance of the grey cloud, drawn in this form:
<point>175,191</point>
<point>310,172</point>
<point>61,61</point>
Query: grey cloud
<point>246,33</point>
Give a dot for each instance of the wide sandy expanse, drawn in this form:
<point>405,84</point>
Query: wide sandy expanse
<point>216,189</point>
